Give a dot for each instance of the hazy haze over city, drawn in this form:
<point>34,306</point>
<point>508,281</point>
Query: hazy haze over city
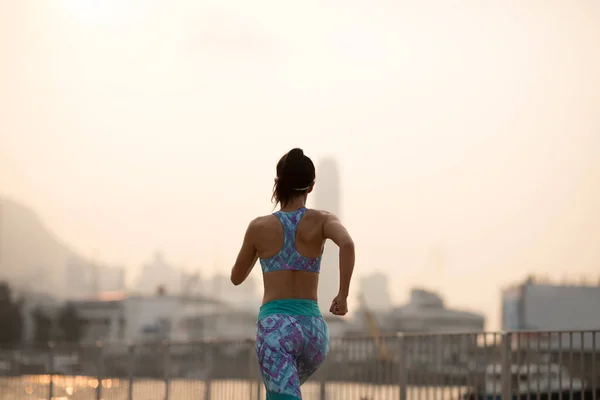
<point>467,133</point>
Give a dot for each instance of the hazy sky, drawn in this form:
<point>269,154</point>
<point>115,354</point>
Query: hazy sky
<point>465,128</point>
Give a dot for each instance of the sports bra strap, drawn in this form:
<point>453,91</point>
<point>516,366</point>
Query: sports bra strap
<point>290,221</point>
<point>288,257</point>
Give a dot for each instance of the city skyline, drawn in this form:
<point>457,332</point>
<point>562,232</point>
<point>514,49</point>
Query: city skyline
<point>471,129</point>
<point>158,274</point>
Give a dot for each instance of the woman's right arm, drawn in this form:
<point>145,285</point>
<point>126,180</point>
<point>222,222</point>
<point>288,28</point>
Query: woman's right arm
<point>334,230</point>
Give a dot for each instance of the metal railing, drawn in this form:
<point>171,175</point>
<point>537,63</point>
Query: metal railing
<point>516,365</point>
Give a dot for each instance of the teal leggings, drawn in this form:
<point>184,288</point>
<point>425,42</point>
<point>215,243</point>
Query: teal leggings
<point>292,341</point>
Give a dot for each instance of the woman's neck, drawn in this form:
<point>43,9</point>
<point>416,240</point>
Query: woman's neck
<point>294,204</point>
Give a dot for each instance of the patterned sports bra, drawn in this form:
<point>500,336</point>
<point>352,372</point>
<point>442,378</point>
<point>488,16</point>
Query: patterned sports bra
<point>288,257</point>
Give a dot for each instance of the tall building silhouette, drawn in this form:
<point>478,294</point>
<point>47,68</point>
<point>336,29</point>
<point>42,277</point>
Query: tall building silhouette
<point>159,273</point>
<point>327,197</point>
<point>375,289</point>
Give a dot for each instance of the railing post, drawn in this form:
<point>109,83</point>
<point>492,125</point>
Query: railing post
<point>251,368</point>
<point>18,357</point>
<point>402,372</point>
<point>131,352</point>
<point>51,370</point>
<point>506,365</point>
<point>323,379</point>
<point>256,365</point>
<point>167,367</point>
<point>323,388</point>
<point>99,369</point>
<point>258,388</point>
<point>208,380</point>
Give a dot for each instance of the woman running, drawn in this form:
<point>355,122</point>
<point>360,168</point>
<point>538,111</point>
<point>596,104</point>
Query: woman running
<point>292,337</point>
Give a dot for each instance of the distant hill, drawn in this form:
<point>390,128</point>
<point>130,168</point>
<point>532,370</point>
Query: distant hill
<point>31,256</point>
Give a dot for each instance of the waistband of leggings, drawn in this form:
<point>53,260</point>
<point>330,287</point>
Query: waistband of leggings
<point>303,307</point>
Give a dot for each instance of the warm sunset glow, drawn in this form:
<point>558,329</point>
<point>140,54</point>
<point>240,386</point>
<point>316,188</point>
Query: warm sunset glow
<point>472,127</point>
<point>96,11</point>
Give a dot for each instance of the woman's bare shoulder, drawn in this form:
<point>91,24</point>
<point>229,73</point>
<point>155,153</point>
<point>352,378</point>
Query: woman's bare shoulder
<point>321,214</point>
<point>263,221</point>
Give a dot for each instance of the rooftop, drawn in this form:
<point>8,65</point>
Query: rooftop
<point>116,297</point>
<point>566,282</point>
<point>425,305</point>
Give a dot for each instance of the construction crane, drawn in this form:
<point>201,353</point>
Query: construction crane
<point>374,330</point>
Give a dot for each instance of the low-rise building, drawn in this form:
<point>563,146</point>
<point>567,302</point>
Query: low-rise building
<point>226,324</point>
<point>120,317</point>
<point>426,312</point>
<point>546,306</point>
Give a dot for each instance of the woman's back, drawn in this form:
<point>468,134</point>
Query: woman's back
<point>289,245</point>
<point>292,338</point>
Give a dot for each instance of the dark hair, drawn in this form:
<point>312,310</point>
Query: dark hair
<point>295,175</point>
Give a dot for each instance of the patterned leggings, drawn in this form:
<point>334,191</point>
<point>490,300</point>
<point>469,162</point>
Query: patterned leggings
<point>290,349</point>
